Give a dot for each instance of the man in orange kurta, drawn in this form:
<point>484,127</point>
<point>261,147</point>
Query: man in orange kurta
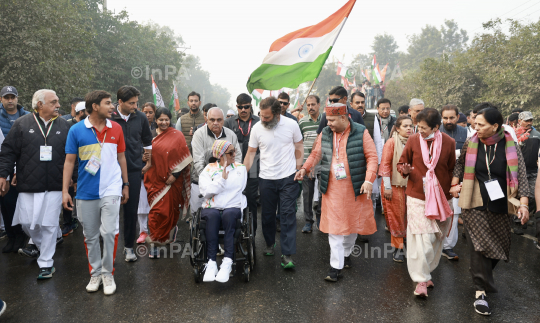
<point>345,213</point>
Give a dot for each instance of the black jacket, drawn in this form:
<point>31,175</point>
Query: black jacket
<point>137,135</point>
<point>353,114</point>
<point>22,146</point>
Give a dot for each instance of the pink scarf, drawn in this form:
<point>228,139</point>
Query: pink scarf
<point>437,207</point>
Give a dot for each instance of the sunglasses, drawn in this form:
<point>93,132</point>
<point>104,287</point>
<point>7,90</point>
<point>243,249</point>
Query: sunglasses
<point>335,100</point>
<point>243,107</point>
<point>284,103</point>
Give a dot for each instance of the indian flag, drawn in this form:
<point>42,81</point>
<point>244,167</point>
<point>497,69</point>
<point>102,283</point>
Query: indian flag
<point>174,105</point>
<point>257,95</point>
<point>158,100</point>
<point>299,56</point>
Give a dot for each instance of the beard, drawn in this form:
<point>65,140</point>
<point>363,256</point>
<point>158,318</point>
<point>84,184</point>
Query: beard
<point>449,126</point>
<point>270,124</point>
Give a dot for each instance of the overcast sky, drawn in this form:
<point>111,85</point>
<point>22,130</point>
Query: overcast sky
<point>232,37</point>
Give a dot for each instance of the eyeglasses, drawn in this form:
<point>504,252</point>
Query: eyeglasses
<point>243,107</point>
<point>335,100</point>
<point>284,103</point>
<point>231,153</point>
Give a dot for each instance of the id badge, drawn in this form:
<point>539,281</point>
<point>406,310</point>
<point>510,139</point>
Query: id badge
<point>494,189</point>
<point>45,153</point>
<point>93,165</point>
<point>339,171</point>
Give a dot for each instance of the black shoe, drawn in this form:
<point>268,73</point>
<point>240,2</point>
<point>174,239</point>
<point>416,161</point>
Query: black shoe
<point>10,246</point>
<point>59,241</point>
<point>519,231</point>
<point>3,234</point>
<point>347,263</point>
<point>481,306</point>
<point>269,251</point>
<point>398,255</point>
<point>46,272</point>
<point>332,275</point>
<point>360,238</point>
<point>31,251</point>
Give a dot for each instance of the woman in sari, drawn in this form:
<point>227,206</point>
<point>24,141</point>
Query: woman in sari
<point>428,159</point>
<point>167,182</point>
<point>394,185</point>
<point>494,186</point>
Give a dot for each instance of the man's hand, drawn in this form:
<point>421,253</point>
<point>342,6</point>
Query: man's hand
<point>454,191</point>
<point>191,131</point>
<point>67,202</point>
<point>300,174</point>
<point>367,188</point>
<point>125,195</point>
<point>4,186</point>
<point>14,180</point>
<point>146,157</point>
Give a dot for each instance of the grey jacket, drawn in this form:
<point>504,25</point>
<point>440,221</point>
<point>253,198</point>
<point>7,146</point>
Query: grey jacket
<point>202,142</point>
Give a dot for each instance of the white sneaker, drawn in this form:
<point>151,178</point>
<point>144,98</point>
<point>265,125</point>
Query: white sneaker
<point>224,270</point>
<point>130,255</point>
<point>109,287</point>
<point>210,272</point>
<point>94,284</point>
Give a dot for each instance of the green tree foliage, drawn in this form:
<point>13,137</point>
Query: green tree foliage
<point>385,48</point>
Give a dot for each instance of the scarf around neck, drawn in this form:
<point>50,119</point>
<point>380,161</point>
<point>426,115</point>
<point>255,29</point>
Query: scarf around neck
<point>399,144</point>
<point>437,207</point>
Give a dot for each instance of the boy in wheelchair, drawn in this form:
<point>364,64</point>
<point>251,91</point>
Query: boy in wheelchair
<point>221,184</point>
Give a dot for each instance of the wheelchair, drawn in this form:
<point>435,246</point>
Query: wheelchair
<point>244,245</point>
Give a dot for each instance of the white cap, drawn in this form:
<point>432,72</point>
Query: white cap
<point>230,112</point>
<point>80,106</point>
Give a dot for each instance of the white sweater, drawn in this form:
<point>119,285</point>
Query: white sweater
<point>219,193</point>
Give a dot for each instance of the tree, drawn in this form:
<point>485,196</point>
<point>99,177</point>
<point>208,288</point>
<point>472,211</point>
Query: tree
<point>385,47</point>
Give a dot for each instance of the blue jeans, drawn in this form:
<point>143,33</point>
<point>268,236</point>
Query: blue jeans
<point>214,220</point>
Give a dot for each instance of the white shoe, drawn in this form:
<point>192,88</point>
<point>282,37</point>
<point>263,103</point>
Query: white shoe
<point>109,287</point>
<point>210,272</point>
<point>93,285</point>
<point>130,255</point>
<point>224,270</point>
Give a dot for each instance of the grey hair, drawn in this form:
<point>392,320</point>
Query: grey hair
<point>39,96</point>
<point>216,108</point>
<point>415,102</point>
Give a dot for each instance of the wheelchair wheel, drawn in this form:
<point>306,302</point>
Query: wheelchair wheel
<point>193,229</point>
<point>251,245</point>
<point>197,273</point>
<point>246,273</point>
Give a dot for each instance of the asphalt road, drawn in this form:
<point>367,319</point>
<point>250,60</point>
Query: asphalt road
<point>164,290</point>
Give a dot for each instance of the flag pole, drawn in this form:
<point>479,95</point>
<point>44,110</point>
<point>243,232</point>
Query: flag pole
<point>311,87</point>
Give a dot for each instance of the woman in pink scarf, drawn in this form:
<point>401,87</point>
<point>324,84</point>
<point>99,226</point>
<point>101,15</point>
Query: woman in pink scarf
<point>428,159</point>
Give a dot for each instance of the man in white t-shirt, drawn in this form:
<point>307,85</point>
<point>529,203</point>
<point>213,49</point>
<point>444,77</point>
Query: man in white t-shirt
<point>281,153</point>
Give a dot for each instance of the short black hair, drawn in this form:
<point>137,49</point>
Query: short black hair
<point>357,93</point>
<point>430,116</point>
<point>126,92</point>
<point>381,101</point>
<point>313,96</point>
<point>467,113</point>
<point>76,100</point>
<point>165,111</point>
<point>193,93</point>
<point>403,108</point>
<point>271,102</point>
<point>284,96</point>
<point>450,107</point>
<point>243,98</point>
<point>95,97</point>
<point>492,116</point>
<point>513,117</point>
<point>208,106</point>
<point>484,105</point>
<point>338,90</point>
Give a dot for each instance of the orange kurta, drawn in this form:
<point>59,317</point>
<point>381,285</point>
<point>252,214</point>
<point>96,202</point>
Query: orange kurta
<point>341,212</point>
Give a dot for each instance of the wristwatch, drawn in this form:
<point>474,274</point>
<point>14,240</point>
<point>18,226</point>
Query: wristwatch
<point>125,184</point>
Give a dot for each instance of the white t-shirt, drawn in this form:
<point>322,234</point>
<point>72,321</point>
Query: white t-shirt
<point>277,148</point>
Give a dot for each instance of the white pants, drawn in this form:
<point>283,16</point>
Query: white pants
<point>143,223</point>
<point>423,255</point>
<point>452,239</point>
<point>44,237</point>
<point>340,247</point>
<point>143,210</point>
<point>195,202</point>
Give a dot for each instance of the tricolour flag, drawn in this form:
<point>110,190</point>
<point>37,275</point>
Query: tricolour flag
<point>174,105</point>
<point>374,71</point>
<point>158,100</point>
<point>299,56</point>
<point>377,75</point>
<point>257,95</point>
<point>383,72</point>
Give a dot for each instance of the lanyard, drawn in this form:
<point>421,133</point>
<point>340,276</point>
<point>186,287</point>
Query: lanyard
<point>380,123</point>
<point>41,129</point>
<point>104,138</point>
<point>249,127</point>
<point>336,144</point>
<point>492,159</point>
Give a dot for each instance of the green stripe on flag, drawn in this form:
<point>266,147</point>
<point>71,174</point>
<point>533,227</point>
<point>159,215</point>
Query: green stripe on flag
<point>275,77</point>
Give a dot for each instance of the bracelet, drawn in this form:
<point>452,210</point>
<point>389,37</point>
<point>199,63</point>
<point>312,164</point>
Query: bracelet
<point>454,185</point>
<point>525,206</point>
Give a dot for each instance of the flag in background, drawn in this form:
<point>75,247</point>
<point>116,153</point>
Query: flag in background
<point>299,56</point>
<point>383,72</point>
<point>174,105</point>
<point>158,100</point>
<point>374,71</point>
<point>257,95</point>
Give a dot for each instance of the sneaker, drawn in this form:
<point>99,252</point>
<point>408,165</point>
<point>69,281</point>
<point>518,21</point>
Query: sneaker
<point>2,307</point>
<point>269,251</point>
<point>3,234</point>
<point>46,272</point>
<point>67,230</point>
<point>450,254</point>
<point>398,255</point>
<point>421,290</point>
<point>154,253</point>
<point>75,224</point>
<point>224,270</point>
<point>142,237</point>
<point>210,272</point>
<point>332,275</point>
<point>307,228</point>
<point>93,285</point>
<point>481,305</point>
<point>109,286</point>
<point>347,263</point>
<point>130,255</point>
<point>30,251</point>
<point>220,252</point>
<point>430,284</point>
<point>59,241</point>
<point>287,262</point>
<point>278,226</point>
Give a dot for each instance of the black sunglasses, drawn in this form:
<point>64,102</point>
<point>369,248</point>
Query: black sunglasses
<point>335,100</point>
<point>284,103</point>
<point>243,107</point>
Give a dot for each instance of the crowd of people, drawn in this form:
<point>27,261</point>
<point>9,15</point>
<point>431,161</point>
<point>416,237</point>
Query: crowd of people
<point>427,170</point>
